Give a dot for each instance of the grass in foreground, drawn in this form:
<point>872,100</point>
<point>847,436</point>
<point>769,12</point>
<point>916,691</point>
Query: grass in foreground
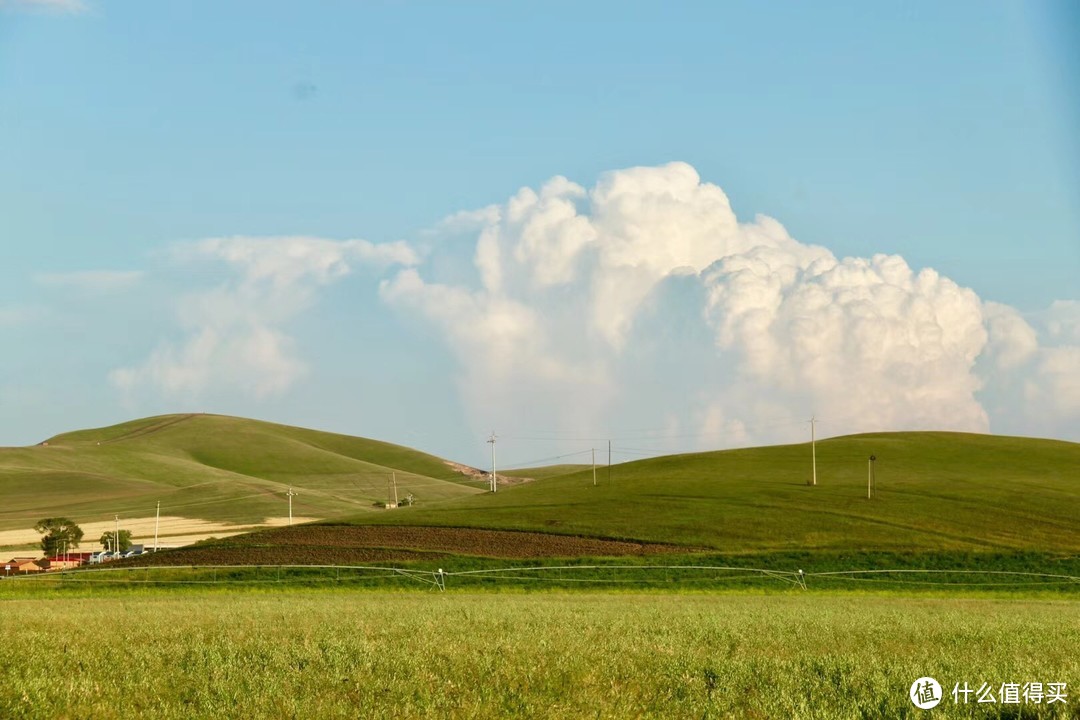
<point>393,655</point>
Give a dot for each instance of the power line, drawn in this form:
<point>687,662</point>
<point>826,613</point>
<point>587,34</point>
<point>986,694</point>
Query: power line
<point>525,465</point>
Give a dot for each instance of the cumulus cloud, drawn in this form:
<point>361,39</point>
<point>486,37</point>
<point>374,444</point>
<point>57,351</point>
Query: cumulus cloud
<point>1062,321</point>
<point>566,315</point>
<point>871,343</point>
<point>1032,369</point>
<point>1012,341</point>
<point>235,338</point>
<point>640,302</point>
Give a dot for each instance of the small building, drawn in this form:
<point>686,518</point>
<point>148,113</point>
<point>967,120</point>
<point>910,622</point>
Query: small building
<point>67,561</point>
<point>21,566</point>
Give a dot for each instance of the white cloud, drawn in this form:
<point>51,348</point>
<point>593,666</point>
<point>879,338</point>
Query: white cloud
<point>1012,341</point>
<point>1062,321</point>
<point>569,298</point>
<point>871,343</point>
<point>284,261</point>
<point>1035,378</point>
<point>1055,388</point>
<point>234,336</point>
<point>255,360</point>
<point>92,281</point>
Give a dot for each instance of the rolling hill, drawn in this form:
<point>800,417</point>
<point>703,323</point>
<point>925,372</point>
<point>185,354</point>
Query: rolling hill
<point>934,491</point>
<point>214,468</point>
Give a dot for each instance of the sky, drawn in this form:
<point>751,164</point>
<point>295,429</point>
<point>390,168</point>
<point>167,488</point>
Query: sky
<point>672,226</point>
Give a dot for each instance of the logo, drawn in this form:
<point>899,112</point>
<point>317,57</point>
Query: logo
<point>925,693</point>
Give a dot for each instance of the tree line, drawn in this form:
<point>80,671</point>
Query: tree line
<point>60,535</point>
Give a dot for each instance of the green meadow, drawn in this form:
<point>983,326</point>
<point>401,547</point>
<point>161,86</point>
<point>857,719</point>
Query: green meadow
<point>339,654</point>
<point>934,491</point>
<point>971,545</point>
<point>211,467</point>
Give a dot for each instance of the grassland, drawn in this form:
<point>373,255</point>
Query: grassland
<point>211,467</point>
<point>546,471</point>
<point>307,643</point>
<point>935,491</point>
<point>206,654</point>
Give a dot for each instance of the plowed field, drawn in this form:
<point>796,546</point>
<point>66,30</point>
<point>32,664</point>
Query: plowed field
<point>330,544</point>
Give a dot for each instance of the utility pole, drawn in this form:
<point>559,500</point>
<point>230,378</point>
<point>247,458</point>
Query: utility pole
<point>594,467</point>
<point>116,537</point>
<point>290,495</point>
<point>609,462</point>
<point>157,524</point>
<point>813,450</point>
<point>870,477</point>
<point>494,478</point>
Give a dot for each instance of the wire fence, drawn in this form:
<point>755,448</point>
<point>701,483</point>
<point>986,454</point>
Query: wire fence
<point>626,576</point>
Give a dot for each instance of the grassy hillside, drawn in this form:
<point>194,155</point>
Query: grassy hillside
<point>211,467</point>
<point>935,491</point>
<point>545,471</point>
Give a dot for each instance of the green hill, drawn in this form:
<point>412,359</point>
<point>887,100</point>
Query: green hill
<point>935,491</point>
<point>544,472</point>
<point>212,467</point>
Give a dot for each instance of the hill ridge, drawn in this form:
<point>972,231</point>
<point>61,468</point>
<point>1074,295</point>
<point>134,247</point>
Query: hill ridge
<point>936,490</point>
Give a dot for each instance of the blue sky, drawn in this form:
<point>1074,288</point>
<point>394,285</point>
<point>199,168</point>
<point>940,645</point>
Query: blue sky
<point>131,132</point>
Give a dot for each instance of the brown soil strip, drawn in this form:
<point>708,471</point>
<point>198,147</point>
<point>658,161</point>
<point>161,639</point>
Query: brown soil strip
<point>276,555</point>
<point>456,541</point>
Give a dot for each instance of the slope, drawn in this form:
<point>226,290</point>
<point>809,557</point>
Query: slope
<point>935,491</point>
<point>211,467</point>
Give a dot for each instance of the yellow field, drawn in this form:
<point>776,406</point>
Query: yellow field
<point>174,532</point>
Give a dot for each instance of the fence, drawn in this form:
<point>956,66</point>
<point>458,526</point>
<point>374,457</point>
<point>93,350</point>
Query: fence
<point>562,576</point>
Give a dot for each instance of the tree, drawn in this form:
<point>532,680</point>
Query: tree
<point>59,535</point>
<point>107,540</point>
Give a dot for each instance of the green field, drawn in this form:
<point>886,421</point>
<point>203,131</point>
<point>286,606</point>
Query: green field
<point>335,654</point>
<point>547,471</point>
<point>211,467</point>
<point>972,544</point>
<point>935,491</point>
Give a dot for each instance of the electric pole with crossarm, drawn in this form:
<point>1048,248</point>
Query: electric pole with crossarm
<point>494,477</point>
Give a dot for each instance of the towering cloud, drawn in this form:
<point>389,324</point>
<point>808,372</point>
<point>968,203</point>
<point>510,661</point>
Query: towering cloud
<point>642,303</point>
<point>576,292</point>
